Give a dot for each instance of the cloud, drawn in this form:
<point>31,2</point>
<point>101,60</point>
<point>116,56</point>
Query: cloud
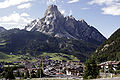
<point>101,2</point>
<point>62,11</point>
<point>53,0</point>
<point>15,19</point>
<point>70,13</point>
<point>9,3</point>
<point>85,8</point>
<point>24,15</point>
<point>112,10</point>
<point>22,6</point>
<point>49,2</point>
<point>111,7</point>
<point>73,1</point>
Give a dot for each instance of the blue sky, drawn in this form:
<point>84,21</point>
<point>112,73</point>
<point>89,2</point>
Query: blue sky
<point>102,14</point>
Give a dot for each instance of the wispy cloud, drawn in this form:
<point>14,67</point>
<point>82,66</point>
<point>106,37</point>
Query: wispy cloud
<point>24,15</point>
<point>112,10</point>
<point>16,19</point>
<point>101,2</point>
<point>85,8</point>
<point>63,11</point>
<point>73,1</point>
<point>49,2</point>
<point>111,7</point>
<point>9,3</point>
<point>24,6</point>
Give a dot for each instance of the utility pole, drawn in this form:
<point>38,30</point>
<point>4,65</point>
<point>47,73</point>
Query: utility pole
<point>105,70</point>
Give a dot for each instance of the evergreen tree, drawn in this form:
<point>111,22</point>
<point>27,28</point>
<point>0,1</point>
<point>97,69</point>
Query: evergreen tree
<point>38,73</point>
<point>18,74</point>
<point>22,74</point>
<point>9,74</point>
<point>91,69</point>
<point>33,75</point>
<point>41,73</point>
<point>26,74</point>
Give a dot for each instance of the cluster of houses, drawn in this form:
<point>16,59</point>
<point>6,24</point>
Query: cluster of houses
<point>57,68</point>
<point>52,68</point>
<point>71,68</point>
<point>115,65</point>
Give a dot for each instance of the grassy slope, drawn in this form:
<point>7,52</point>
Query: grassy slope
<point>8,58</point>
<point>22,42</point>
<point>60,56</point>
<point>52,56</point>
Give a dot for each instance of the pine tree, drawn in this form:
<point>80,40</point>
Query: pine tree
<point>26,74</point>
<point>22,74</point>
<point>91,69</point>
<point>9,74</point>
<point>38,73</point>
<point>41,73</point>
<point>33,75</point>
<point>18,74</point>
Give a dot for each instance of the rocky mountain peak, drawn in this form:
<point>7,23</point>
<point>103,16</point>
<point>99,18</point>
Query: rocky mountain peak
<point>82,20</point>
<point>52,8</point>
<point>71,16</point>
<point>52,11</point>
<point>55,24</point>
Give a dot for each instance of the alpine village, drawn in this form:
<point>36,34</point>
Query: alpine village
<point>58,47</point>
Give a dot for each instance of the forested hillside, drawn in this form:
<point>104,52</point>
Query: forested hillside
<point>110,49</point>
<point>35,43</point>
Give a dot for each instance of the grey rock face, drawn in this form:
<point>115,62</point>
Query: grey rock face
<point>2,29</point>
<point>55,24</point>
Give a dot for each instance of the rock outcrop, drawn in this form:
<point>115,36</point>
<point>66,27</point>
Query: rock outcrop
<point>55,24</point>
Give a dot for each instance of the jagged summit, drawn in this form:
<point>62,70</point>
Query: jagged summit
<point>70,17</point>
<point>55,24</point>
<point>52,8</point>
<point>82,20</point>
<point>52,11</point>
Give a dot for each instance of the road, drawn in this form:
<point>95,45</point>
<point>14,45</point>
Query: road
<point>114,78</point>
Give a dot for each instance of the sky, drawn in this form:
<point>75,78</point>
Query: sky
<point>104,15</point>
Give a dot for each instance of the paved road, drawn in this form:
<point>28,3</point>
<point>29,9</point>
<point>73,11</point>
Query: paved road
<point>115,78</point>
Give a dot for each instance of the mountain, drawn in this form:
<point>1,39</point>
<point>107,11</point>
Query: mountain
<point>2,29</point>
<point>110,49</point>
<point>21,42</point>
<point>55,24</point>
<point>53,34</point>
